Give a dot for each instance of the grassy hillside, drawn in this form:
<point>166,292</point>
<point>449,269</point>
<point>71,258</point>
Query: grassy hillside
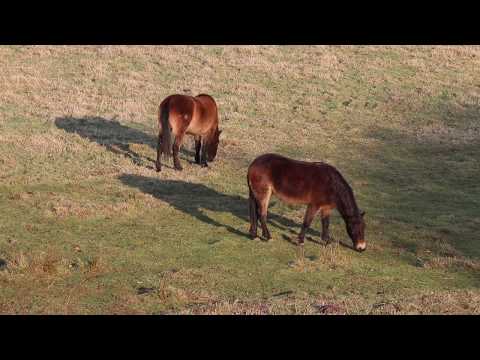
<point>88,226</point>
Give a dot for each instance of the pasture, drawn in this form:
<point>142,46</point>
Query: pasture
<point>88,227</point>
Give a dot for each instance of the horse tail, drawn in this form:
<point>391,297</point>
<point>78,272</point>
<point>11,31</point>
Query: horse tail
<point>253,206</point>
<point>163,119</point>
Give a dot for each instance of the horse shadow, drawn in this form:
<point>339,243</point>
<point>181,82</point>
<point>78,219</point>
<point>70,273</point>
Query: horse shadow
<point>192,199</point>
<point>114,136</point>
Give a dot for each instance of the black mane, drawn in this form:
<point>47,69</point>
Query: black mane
<point>346,204</point>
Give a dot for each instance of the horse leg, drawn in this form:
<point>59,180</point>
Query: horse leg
<point>198,146</point>
<point>253,211</point>
<point>203,153</point>
<point>176,148</point>
<point>263,209</point>
<point>309,215</point>
<point>158,163</point>
<point>325,214</point>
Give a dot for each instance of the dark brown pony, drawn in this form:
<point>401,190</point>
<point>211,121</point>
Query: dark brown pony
<point>316,184</point>
<point>182,114</point>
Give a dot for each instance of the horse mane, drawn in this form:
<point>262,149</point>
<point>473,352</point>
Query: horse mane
<point>346,204</point>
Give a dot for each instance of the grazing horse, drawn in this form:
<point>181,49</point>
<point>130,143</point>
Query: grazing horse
<point>316,184</point>
<point>182,114</point>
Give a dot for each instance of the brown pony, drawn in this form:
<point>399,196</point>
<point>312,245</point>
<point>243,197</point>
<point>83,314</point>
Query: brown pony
<point>183,114</point>
<point>316,184</point>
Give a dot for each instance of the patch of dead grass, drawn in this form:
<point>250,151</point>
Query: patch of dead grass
<point>64,208</point>
<point>443,262</point>
<point>445,302</point>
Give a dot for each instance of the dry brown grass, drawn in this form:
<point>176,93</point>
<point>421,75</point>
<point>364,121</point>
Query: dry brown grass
<point>453,262</point>
<point>37,276</point>
<point>445,303</point>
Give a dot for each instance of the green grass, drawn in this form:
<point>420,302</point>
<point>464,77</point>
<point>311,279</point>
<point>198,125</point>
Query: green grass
<point>86,222</point>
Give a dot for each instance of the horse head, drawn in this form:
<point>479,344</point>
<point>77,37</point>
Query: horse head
<point>356,231</point>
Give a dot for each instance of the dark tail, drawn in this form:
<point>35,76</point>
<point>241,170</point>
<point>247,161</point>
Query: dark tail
<point>253,207</point>
<point>166,129</point>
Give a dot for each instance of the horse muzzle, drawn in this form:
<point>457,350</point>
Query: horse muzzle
<point>361,246</point>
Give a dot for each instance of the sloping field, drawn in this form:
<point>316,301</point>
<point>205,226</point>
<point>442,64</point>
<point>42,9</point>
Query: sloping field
<point>88,227</point>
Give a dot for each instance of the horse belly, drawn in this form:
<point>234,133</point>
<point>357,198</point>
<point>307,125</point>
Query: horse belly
<point>291,198</point>
<point>291,194</point>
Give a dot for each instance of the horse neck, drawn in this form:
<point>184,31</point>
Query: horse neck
<point>346,204</point>
<point>211,133</point>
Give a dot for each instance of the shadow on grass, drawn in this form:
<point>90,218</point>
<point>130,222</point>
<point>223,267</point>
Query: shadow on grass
<point>293,240</point>
<point>427,189</point>
<point>114,136</point>
<point>192,198</point>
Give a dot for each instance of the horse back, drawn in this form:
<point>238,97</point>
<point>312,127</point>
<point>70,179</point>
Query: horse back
<point>206,99</point>
<point>178,105</point>
<point>292,180</point>
<point>179,110</point>
<point>207,106</point>
<point>187,114</point>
